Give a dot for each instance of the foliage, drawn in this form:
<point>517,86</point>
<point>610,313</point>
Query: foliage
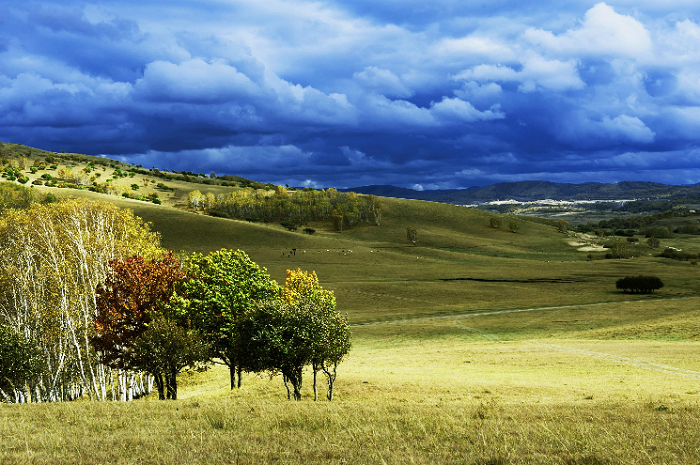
<point>411,235</point>
<point>217,289</point>
<point>298,207</point>
<point>639,284</point>
<point>133,292</point>
<point>676,254</point>
<point>513,226</point>
<point>20,363</point>
<point>52,257</point>
<point>653,242</point>
<point>303,328</point>
<point>165,349</point>
<point>562,225</point>
<point>659,232</point>
<point>619,249</point>
<point>15,196</point>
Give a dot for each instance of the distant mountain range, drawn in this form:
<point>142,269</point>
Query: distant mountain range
<point>539,190</point>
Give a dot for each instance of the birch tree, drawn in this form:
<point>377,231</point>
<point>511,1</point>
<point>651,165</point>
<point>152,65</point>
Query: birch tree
<point>51,260</point>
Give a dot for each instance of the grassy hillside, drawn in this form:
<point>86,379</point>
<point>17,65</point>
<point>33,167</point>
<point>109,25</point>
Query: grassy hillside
<point>477,345</point>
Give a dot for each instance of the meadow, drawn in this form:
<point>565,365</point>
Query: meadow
<point>477,345</point>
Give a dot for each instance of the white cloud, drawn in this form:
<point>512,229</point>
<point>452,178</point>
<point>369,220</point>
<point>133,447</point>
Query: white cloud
<point>603,32</point>
<point>383,82</point>
<point>537,73</point>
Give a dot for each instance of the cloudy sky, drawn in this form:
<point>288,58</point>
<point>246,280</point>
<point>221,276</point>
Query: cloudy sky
<point>440,94</point>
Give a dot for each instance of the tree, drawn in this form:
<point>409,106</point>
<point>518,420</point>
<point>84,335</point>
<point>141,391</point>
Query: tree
<point>513,226</point>
<point>134,293</point>
<point>277,337</point>
<point>620,249</point>
<point>20,362</point>
<point>639,284</point>
<point>164,349</point>
<point>495,222</point>
<point>217,289</point>
<point>331,332</point>
<point>412,235</point>
<point>52,257</point>
<point>653,242</point>
<point>562,226</point>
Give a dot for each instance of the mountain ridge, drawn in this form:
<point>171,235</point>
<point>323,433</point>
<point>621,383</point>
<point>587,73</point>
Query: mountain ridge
<point>538,190</point>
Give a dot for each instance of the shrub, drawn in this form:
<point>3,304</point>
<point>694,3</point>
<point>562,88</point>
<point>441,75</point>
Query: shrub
<point>639,284</point>
<point>309,231</point>
<point>289,225</point>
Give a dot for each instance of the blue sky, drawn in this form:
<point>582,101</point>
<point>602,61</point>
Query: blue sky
<point>441,94</point>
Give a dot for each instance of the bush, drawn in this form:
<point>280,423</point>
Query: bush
<point>639,284</point>
<point>289,225</point>
<point>309,231</point>
<point>658,232</point>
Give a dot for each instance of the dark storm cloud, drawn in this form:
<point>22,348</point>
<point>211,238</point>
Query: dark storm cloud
<point>432,95</point>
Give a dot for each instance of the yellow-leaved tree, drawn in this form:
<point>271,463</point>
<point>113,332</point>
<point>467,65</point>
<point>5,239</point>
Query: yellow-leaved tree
<point>331,339</point>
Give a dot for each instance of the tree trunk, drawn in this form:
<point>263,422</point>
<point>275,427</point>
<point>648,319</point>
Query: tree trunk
<point>159,384</point>
<point>239,370</point>
<point>315,368</point>
<point>330,376</point>
<point>286,385</point>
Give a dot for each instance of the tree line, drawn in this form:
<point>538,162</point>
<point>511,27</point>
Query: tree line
<point>344,209</point>
<point>90,305</point>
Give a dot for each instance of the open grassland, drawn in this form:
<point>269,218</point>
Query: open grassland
<point>446,390</point>
<point>477,346</point>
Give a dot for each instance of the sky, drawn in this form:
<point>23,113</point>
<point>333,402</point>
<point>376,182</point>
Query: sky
<point>427,95</point>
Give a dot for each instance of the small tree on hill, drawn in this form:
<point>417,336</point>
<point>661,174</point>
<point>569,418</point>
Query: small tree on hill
<point>513,226</point>
<point>653,242</point>
<point>562,226</point>
<point>412,235</point>
<point>495,222</point>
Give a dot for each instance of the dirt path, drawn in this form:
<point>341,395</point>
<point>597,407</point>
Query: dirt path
<point>635,362</point>
<point>502,312</point>
<point>638,363</point>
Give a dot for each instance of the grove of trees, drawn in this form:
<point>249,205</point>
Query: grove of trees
<point>344,209</point>
<point>639,284</point>
<point>91,306</point>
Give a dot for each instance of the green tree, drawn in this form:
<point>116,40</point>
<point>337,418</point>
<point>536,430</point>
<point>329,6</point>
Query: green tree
<point>653,242</point>
<point>20,362</point>
<point>331,332</point>
<point>278,338</point>
<point>513,226</point>
<point>217,289</point>
<point>164,349</point>
<point>412,235</point>
<point>639,284</point>
<point>562,226</point>
<point>495,222</point>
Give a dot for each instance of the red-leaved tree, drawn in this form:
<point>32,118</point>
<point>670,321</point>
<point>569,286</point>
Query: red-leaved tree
<point>134,292</point>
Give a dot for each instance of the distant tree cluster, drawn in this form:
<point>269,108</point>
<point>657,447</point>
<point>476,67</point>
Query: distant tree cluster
<point>639,284</point>
<point>344,209</point>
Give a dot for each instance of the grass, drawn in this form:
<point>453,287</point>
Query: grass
<point>477,346</point>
